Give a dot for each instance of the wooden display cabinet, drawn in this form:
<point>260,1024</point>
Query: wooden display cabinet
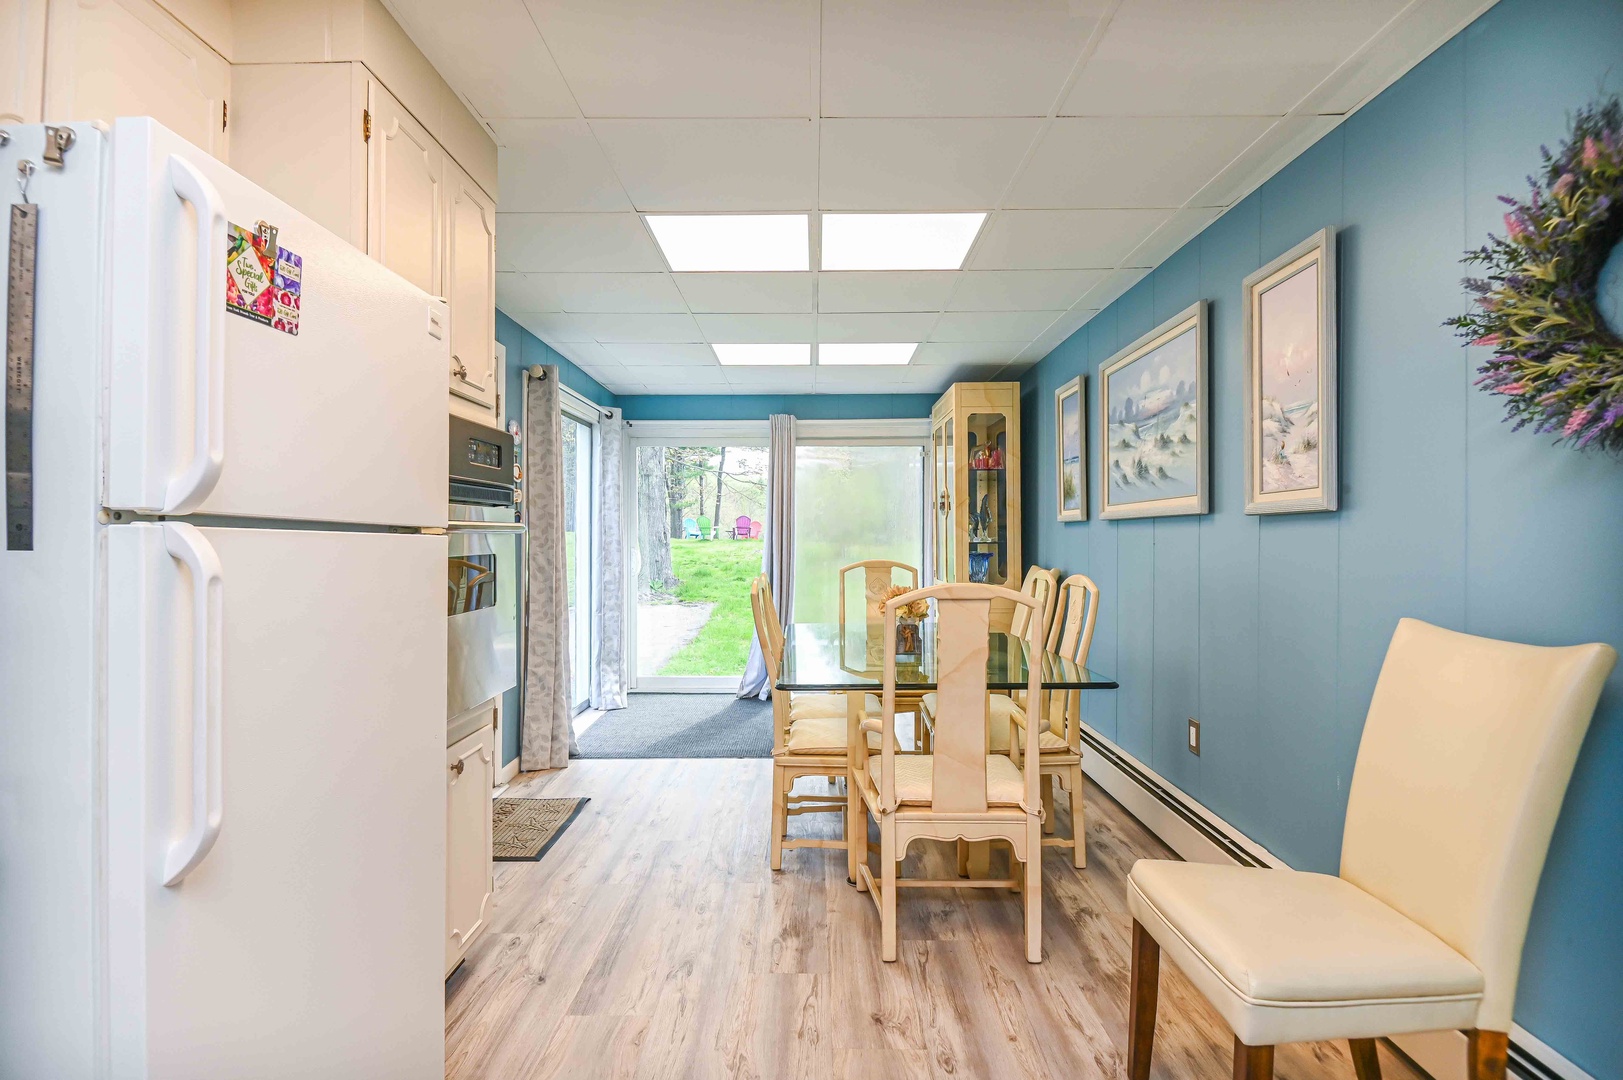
<point>975,444</point>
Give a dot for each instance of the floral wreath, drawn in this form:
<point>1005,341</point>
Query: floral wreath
<point>1557,364</point>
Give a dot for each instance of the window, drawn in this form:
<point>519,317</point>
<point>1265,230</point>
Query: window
<point>853,501</point>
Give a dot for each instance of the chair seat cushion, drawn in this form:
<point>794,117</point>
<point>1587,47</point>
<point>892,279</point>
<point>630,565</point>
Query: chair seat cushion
<point>998,735</point>
<point>803,705</point>
<point>1005,786</point>
<point>822,735</point>
<point>1290,956</point>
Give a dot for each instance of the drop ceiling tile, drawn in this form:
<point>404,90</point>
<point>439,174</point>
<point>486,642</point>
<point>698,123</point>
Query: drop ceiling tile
<point>587,354</point>
<point>744,329</point>
<point>769,380</point>
<point>574,243</point>
<point>553,165</point>
<point>884,290</point>
<point>936,353</point>
<point>661,354</point>
<point>1062,239</point>
<point>589,293</point>
<point>490,51</point>
<point>779,293</point>
<point>1134,161</point>
<point>1256,57</point>
<point>701,58</point>
<point>556,329</point>
<point>686,380</point>
<point>627,328</point>
<point>721,165</point>
<point>992,325</point>
<point>1276,148</point>
<point>875,326</point>
<point>1182,227</point>
<point>1022,290</point>
<point>969,58</point>
<point>929,164</point>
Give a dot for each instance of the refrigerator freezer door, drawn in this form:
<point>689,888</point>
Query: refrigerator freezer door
<point>212,412</point>
<point>308,939</point>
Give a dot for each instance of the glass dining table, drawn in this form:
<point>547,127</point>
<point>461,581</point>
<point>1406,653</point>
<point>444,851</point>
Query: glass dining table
<point>850,658</point>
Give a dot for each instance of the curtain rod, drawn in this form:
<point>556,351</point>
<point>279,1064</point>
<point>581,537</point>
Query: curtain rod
<point>536,371</point>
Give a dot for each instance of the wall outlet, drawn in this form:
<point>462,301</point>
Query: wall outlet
<point>1194,736</point>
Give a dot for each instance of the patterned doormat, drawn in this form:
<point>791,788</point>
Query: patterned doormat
<point>526,828</point>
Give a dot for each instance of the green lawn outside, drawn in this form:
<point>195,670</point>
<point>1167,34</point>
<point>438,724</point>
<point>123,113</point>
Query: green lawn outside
<point>716,572</point>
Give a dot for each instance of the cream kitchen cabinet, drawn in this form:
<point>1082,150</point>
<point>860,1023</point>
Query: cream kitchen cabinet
<point>405,193</point>
<point>470,881</point>
<point>470,286</point>
<point>109,58</point>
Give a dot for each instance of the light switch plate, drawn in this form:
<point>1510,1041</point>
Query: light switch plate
<point>1194,736</point>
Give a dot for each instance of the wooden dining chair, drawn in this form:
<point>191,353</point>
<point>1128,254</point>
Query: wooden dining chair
<point>960,791</point>
<point>1039,584</point>
<point>1464,762</point>
<point>877,576</point>
<point>810,733</point>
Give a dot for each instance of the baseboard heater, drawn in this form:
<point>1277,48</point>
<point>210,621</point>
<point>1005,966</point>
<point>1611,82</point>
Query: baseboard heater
<point>1523,1063</point>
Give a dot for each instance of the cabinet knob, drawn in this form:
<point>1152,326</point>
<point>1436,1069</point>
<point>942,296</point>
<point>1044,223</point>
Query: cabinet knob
<point>457,768</point>
<point>461,369</point>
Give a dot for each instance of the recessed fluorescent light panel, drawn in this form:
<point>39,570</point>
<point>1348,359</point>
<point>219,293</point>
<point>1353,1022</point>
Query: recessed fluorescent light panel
<point>773,355</point>
<point>732,241</point>
<point>898,241</point>
<point>867,353</point>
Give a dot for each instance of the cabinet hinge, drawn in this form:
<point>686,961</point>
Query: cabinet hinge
<point>366,125</point>
<point>225,114</point>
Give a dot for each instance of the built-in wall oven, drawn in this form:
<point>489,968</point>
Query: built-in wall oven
<point>484,594</point>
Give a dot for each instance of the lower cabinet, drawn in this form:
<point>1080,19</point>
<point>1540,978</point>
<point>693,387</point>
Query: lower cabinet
<point>469,875</point>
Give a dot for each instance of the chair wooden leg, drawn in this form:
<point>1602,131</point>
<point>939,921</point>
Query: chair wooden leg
<point>1253,1062</point>
<point>1146,988</point>
<point>1487,1054</point>
<point>1079,825</point>
<point>1366,1062</point>
<point>1034,892</point>
<point>1048,783</point>
<point>963,858</point>
<point>780,815</point>
<point>856,835</point>
<point>887,891</point>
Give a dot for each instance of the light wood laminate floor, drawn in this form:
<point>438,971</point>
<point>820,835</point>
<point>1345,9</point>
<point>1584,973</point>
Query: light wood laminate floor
<point>654,941</point>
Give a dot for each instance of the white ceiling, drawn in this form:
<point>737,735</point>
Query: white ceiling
<point>1099,134</point>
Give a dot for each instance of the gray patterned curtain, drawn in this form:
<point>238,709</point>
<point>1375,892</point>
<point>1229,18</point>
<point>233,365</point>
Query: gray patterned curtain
<point>547,737</point>
<point>609,678</point>
<point>778,552</point>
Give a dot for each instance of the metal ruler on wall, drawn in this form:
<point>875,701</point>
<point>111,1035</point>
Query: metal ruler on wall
<point>21,260</point>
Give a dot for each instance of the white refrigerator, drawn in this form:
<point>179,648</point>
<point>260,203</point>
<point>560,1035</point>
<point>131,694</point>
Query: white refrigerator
<point>222,653</point>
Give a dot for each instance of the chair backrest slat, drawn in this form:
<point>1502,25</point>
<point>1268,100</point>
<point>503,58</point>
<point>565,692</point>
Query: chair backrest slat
<point>1466,753</point>
<point>1076,610</point>
<point>1040,585</point>
<point>877,576</point>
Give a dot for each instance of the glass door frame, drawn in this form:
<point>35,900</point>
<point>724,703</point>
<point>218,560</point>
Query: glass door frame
<point>641,433</point>
<point>575,406</point>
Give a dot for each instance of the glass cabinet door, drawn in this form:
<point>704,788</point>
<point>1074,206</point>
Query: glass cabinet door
<point>986,511</point>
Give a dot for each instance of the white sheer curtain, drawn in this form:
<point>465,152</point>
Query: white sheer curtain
<point>546,737</point>
<point>778,551</point>
<point>609,672</point>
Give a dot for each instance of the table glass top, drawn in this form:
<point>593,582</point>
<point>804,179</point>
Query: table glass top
<point>832,656</point>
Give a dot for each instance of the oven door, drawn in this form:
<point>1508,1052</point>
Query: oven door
<point>483,601</point>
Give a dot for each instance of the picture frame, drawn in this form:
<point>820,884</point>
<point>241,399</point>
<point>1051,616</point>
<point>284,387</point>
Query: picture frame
<point>1289,330</point>
<point>1071,450</point>
<point>1154,445</point>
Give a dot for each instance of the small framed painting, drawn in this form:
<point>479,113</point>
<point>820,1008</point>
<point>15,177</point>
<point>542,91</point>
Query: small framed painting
<point>1152,422</point>
<point>1071,440</point>
<point>1290,395</point>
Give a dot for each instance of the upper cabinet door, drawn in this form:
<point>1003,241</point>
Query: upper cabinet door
<point>110,58</point>
<point>405,176</point>
<point>470,276</point>
<point>22,64</point>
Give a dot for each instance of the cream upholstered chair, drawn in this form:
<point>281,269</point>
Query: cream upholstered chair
<point>877,576</point>
<point>1467,750</point>
<point>808,734</point>
<point>1041,585</point>
<point>960,791</point>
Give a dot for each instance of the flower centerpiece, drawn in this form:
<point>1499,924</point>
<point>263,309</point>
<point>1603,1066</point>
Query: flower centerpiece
<point>908,617</point>
<point>1556,362</point>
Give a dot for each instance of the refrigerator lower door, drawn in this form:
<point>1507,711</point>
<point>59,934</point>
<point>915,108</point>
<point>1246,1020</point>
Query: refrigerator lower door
<point>214,412</point>
<point>275,803</point>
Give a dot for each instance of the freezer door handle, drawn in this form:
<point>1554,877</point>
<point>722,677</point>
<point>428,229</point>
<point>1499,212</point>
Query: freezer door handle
<point>190,547</point>
<point>186,491</point>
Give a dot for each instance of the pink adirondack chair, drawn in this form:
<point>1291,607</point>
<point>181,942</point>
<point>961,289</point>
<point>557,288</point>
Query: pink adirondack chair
<point>756,529</point>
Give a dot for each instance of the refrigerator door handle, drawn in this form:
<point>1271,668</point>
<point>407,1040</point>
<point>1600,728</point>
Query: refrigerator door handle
<point>190,547</point>
<point>186,491</point>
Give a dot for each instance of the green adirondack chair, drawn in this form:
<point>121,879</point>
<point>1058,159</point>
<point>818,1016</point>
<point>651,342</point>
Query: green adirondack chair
<point>705,532</point>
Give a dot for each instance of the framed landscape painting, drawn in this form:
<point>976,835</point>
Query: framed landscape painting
<point>1071,441</point>
<point>1152,422</point>
<point>1290,398</point>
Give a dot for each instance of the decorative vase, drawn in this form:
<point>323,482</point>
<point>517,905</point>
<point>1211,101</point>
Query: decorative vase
<point>980,562</point>
<point>907,639</point>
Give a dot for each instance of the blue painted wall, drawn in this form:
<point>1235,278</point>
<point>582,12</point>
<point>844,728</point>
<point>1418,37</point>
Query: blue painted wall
<point>1271,630</point>
<point>761,406</point>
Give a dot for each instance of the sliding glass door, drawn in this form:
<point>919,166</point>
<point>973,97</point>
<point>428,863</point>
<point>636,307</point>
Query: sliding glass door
<point>579,552</point>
